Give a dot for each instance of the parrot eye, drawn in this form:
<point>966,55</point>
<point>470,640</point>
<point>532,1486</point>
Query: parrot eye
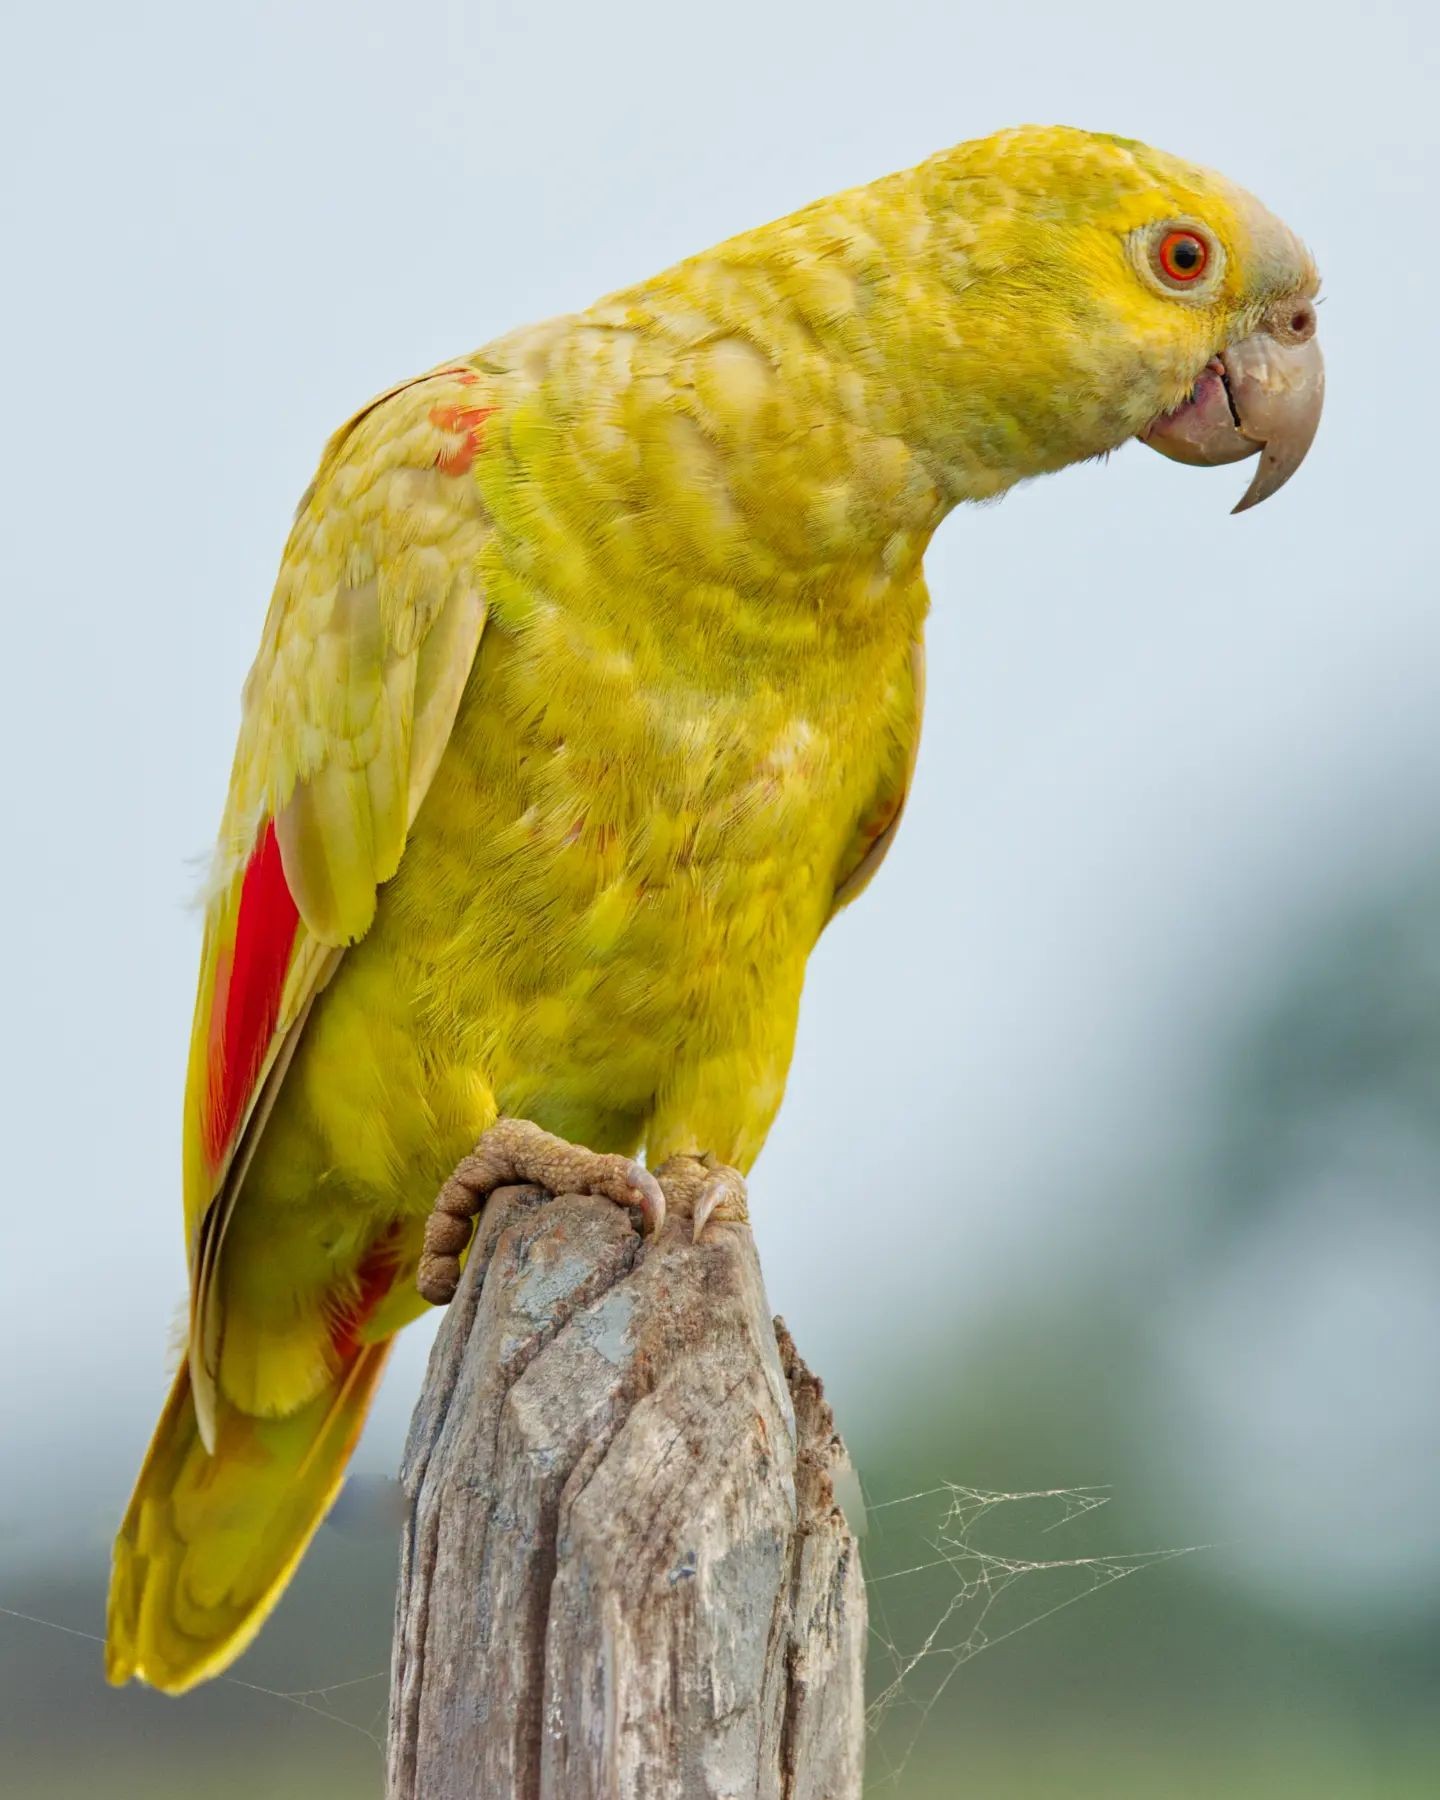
<point>1182,257</point>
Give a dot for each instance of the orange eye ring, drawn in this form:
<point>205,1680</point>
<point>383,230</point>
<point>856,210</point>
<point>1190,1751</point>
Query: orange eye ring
<point>1183,256</point>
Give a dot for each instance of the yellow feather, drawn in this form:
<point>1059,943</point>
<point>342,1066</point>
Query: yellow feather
<point>210,1540</point>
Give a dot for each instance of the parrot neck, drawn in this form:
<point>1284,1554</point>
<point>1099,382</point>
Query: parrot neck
<point>785,420</point>
<point>840,379</point>
<point>906,330</point>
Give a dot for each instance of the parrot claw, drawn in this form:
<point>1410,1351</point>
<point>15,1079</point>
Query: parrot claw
<point>724,1198</point>
<point>701,1188</point>
<point>514,1150</point>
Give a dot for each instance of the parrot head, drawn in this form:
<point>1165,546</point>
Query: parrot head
<point>1123,294</point>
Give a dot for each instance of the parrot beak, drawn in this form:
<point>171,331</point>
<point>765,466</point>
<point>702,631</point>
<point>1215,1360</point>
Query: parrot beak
<point>1261,396</point>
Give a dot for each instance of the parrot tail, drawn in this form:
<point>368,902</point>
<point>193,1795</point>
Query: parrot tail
<point>208,1542</point>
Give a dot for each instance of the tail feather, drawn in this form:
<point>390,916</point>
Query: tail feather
<point>209,1541</point>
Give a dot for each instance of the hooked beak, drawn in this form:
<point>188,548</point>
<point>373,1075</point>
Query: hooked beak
<point>1261,396</point>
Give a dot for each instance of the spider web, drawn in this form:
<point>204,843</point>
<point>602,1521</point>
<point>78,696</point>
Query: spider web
<point>357,1712</point>
<point>984,1596</point>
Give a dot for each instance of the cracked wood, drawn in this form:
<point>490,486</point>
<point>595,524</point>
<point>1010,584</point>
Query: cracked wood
<point>624,1573</point>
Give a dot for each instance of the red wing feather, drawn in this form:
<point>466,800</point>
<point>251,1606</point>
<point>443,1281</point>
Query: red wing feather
<point>373,1281</point>
<point>248,985</point>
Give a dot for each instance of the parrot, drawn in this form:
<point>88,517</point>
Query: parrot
<point>589,692</point>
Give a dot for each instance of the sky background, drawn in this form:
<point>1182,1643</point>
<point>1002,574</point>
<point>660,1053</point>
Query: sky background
<point>1163,745</point>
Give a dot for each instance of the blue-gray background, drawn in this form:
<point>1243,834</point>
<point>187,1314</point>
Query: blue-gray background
<point>1111,1151</point>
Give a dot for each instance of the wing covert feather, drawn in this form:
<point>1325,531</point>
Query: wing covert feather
<point>371,633</point>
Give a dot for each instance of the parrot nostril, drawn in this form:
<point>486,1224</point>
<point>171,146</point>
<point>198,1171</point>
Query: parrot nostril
<point>1299,326</point>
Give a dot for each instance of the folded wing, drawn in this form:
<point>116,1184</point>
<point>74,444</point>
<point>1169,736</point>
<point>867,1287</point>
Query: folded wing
<point>370,637</point>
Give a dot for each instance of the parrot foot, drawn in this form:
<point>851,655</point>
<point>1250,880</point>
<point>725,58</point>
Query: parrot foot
<point>705,1189</point>
<point>514,1150</point>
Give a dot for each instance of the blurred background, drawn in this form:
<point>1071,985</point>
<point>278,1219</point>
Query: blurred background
<point>1111,1152</point>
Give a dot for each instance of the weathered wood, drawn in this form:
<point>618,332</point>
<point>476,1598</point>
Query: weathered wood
<point>624,1573</point>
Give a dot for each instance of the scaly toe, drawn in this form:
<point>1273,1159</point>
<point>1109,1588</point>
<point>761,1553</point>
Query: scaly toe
<point>437,1274</point>
<point>515,1150</point>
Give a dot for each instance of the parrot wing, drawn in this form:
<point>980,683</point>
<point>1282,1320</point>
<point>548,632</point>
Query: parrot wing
<point>876,833</point>
<point>369,640</point>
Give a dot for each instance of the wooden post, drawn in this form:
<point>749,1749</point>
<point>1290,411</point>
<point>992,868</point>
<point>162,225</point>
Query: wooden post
<point>624,1573</point>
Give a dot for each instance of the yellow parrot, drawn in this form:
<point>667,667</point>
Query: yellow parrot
<point>589,690</point>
